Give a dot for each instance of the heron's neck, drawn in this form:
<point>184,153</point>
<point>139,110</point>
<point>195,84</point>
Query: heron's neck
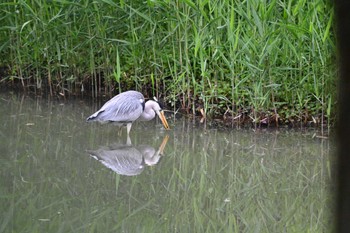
<point>148,114</point>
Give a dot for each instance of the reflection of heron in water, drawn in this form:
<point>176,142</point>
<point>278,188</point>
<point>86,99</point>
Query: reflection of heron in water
<point>129,160</point>
<point>128,107</point>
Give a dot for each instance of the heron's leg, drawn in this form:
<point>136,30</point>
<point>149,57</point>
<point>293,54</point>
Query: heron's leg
<point>128,127</point>
<point>128,140</point>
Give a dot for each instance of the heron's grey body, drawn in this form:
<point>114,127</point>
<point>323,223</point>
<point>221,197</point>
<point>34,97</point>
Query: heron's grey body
<point>127,107</point>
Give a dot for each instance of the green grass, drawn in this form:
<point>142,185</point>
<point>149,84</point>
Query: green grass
<point>263,60</point>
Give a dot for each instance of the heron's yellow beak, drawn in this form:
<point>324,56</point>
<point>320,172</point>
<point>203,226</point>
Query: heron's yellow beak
<point>163,119</point>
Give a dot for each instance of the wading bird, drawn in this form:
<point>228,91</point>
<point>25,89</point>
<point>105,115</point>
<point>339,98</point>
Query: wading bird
<point>129,160</point>
<point>127,107</point>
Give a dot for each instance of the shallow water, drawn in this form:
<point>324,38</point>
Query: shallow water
<point>60,174</point>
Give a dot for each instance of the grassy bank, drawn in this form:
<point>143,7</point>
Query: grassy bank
<point>267,62</point>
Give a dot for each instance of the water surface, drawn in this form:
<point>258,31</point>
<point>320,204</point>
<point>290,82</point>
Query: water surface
<point>61,174</point>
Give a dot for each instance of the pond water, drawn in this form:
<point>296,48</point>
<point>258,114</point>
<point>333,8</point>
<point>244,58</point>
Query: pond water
<point>61,174</point>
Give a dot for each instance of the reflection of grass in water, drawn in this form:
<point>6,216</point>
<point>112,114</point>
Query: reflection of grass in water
<point>212,192</point>
<point>238,189</point>
<point>207,182</point>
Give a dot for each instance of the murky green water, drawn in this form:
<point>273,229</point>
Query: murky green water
<point>60,174</point>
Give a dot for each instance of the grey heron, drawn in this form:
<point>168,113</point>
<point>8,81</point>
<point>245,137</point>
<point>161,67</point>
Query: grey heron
<point>127,159</point>
<point>127,107</point>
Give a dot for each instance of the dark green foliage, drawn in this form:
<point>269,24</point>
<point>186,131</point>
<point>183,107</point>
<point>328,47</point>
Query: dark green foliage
<point>274,60</point>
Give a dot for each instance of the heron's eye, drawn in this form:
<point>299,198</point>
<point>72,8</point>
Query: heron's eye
<point>160,105</point>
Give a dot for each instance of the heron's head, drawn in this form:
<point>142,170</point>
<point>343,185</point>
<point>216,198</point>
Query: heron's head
<point>157,107</point>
